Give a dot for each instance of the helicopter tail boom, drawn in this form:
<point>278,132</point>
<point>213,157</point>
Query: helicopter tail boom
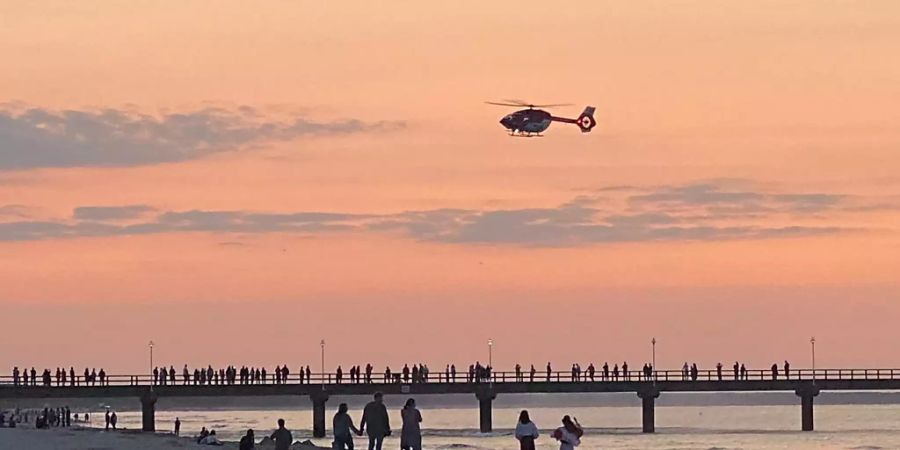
<point>585,121</point>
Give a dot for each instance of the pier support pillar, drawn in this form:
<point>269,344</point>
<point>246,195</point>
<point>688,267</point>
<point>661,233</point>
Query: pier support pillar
<point>648,409</point>
<point>148,410</point>
<point>318,400</point>
<point>807,394</point>
<point>485,397</point>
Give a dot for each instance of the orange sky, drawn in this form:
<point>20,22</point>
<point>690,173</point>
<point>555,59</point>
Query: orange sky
<point>165,167</point>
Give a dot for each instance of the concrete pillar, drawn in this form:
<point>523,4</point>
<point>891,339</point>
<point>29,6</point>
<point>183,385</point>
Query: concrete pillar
<point>148,410</point>
<point>648,409</point>
<point>318,400</point>
<point>807,394</point>
<point>485,397</point>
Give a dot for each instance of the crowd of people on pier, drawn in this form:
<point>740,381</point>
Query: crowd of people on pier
<point>90,377</point>
<point>409,373</point>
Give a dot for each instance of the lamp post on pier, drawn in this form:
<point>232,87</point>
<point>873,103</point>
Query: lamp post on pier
<point>322,344</point>
<point>491,354</point>
<point>812,343</point>
<point>151,364</point>
<point>653,344</point>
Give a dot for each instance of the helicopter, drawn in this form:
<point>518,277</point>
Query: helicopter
<point>532,122</point>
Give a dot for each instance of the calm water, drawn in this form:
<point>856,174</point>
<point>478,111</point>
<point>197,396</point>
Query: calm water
<point>854,427</point>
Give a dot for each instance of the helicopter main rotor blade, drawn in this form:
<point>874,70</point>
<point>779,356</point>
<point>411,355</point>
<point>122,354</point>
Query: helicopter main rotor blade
<point>550,106</point>
<point>504,104</point>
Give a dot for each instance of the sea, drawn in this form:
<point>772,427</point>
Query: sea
<point>611,421</point>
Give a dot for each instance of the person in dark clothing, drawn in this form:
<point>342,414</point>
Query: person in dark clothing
<point>774,371</point>
<point>787,370</point>
<point>343,428</point>
<point>375,422</point>
<point>247,442</point>
<point>177,426</point>
<point>282,437</point>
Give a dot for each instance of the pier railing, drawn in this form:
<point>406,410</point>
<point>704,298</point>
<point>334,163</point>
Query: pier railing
<point>332,378</point>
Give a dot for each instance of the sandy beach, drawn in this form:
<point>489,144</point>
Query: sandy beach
<point>77,438</point>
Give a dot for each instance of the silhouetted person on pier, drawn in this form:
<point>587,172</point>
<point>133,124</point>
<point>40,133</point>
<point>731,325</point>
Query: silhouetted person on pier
<point>591,370</point>
<point>605,371</point>
<point>625,375</point>
<point>694,372</point>
<point>177,426</point>
<point>102,375</point>
<point>615,372</point>
<point>302,373</point>
<point>282,437</point>
<point>453,372</point>
<point>34,377</point>
<point>308,374</point>
<point>375,422</point>
<point>415,373</point>
<point>549,372</point>
<point>736,368</point>
<point>387,374</point>
<point>719,371</point>
<point>685,371</point>
<point>410,432</point>
<point>72,378</point>
<point>774,371</point>
<point>405,373</point>
<point>531,374</point>
<point>743,372</point>
<point>247,441</point>
<point>339,373</point>
<point>277,374</point>
<point>369,369</point>
<point>787,370</point>
<point>518,373</point>
<point>526,431</point>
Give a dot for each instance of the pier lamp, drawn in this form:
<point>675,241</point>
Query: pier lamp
<point>812,343</point>
<point>491,353</point>
<point>653,356</point>
<point>322,344</point>
<point>151,362</point>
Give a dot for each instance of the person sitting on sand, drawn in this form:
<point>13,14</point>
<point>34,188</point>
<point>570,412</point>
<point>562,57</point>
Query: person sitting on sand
<point>203,434</point>
<point>211,439</point>
<point>247,442</point>
<point>283,438</point>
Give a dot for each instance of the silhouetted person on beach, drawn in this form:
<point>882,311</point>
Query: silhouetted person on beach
<point>343,428</point>
<point>375,422</point>
<point>247,441</point>
<point>107,419</point>
<point>526,431</point>
<point>113,419</point>
<point>411,433</point>
<point>282,437</point>
<point>568,435</point>
<point>177,426</point>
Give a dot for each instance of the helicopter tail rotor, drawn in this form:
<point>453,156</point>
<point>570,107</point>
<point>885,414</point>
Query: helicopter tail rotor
<point>586,120</point>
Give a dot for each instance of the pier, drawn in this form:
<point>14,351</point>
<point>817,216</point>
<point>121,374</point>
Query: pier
<point>805,383</point>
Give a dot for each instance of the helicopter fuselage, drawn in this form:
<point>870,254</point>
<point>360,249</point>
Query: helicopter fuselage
<point>527,121</point>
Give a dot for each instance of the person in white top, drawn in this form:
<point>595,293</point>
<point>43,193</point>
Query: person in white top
<point>568,435</point>
<point>526,431</point>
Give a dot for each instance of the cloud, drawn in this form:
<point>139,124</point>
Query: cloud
<point>39,137</point>
<point>693,212</point>
<point>109,213</point>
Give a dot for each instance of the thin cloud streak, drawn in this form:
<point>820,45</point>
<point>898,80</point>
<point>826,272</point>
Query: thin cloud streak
<point>694,212</point>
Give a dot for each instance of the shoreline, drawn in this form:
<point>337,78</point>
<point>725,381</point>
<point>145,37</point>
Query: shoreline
<point>86,438</point>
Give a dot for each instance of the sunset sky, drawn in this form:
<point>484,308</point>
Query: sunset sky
<point>238,180</point>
